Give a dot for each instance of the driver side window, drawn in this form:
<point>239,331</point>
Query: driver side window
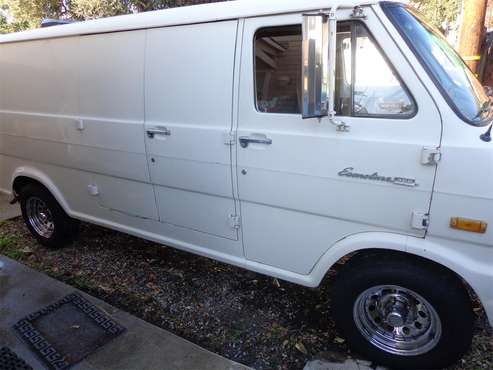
<point>366,85</point>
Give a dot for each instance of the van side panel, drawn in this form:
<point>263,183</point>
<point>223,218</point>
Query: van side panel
<point>112,76</point>
<point>40,77</point>
<point>79,104</point>
<point>63,183</point>
<point>112,99</point>
<point>189,91</point>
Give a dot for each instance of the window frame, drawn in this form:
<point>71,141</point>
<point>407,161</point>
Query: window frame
<point>352,24</point>
<point>255,36</point>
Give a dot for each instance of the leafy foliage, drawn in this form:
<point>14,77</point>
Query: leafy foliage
<point>27,14</point>
<point>3,23</point>
<point>440,12</point>
<point>91,9</point>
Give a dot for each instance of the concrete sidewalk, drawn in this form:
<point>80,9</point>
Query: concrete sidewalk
<point>142,346</point>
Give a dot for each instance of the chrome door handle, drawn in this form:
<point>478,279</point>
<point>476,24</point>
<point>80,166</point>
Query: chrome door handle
<point>245,140</point>
<point>159,130</point>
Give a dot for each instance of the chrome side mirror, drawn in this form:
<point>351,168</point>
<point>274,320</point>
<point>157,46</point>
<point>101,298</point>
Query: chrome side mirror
<point>315,59</point>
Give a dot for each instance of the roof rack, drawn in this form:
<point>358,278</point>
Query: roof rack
<point>54,22</point>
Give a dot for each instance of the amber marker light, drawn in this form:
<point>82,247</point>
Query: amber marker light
<point>473,226</point>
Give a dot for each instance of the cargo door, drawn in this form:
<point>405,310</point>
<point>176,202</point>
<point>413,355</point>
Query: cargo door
<point>189,82</point>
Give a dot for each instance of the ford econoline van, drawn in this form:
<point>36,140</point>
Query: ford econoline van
<point>279,136</point>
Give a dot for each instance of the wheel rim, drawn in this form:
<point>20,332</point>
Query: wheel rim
<point>397,320</point>
<point>40,217</point>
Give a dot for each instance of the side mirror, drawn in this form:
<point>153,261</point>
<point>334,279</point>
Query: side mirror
<point>319,67</point>
<point>315,59</point>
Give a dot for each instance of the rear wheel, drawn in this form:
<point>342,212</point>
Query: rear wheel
<point>45,218</point>
<point>403,312</point>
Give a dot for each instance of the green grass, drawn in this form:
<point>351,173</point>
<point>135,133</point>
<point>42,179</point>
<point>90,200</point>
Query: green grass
<point>14,254</point>
<point>9,248</point>
<point>6,242</point>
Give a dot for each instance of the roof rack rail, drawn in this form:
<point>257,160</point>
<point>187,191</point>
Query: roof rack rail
<point>54,22</point>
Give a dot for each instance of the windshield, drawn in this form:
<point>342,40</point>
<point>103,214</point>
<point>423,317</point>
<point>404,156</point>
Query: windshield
<point>460,87</point>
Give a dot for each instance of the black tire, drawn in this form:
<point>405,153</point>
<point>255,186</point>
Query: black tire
<point>441,288</point>
<point>64,229</point>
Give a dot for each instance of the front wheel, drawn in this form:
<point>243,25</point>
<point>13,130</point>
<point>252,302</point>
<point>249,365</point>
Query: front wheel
<point>45,218</point>
<point>402,312</point>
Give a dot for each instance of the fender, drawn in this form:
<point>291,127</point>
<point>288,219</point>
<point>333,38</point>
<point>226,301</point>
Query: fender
<point>41,177</point>
<point>472,262</point>
<point>355,243</point>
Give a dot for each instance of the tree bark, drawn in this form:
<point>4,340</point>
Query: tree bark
<point>472,31</point>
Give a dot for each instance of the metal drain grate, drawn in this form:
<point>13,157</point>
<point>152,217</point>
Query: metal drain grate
<point>10,361</point>
<point>65,332</point>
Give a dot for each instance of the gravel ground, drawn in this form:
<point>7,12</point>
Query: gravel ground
<point>244,316</point>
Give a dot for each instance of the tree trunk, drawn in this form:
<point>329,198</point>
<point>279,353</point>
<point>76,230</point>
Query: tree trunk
<point>472,31</point>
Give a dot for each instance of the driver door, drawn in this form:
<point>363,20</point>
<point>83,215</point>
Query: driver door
<point>302,184</point>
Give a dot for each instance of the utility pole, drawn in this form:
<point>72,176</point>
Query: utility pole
<point>472,31</point>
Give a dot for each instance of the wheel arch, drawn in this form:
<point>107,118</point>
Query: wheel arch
<point>27,175</point>
<point>472,272</point>
<point>354,244</point>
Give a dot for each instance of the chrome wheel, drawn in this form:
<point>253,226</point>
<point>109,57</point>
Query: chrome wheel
<point>40,217</point>
<point>397,320</point>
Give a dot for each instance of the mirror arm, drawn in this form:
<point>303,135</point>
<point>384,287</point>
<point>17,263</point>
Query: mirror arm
<point>332,19</point>
<point>340,125</point>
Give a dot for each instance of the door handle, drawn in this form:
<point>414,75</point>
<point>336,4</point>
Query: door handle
<point>245,140</point>
<point>159,130</point>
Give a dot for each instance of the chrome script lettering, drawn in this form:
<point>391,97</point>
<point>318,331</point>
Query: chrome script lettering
<point>349,172</point>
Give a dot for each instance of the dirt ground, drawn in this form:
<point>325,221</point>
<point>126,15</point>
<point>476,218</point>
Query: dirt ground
<point>244,316</point>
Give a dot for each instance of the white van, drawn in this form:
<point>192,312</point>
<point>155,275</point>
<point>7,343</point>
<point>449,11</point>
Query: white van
<point>279,136</point>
